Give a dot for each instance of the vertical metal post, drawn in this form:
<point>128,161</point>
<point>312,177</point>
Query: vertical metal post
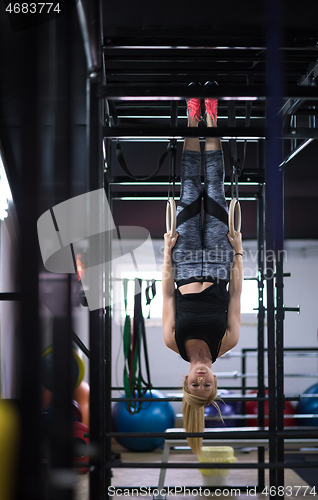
<point>108,339</point>
<point>96,323</point>
<point>260,316</point>
<point>173,145</point>
<point>108,345</point>
<point>107,326</point>
<point>280,315</point>
<point>273,198</point>
<point>243,371</point>
<point>90,19</point>
<point>271,356</point>
<point>107,397</point>
<point>108,312</point>
<point>280,358</point>
<point>30,484</point>
<point>61,438</point>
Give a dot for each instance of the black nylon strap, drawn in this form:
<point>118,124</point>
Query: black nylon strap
<point>189,211</point>
<point>233,152</point>
<point>211,207</point>
<point>122,163</point>
<point>150,285</point>
<point>120,156</point>
<point>249,81</point>
<point>140,327</point>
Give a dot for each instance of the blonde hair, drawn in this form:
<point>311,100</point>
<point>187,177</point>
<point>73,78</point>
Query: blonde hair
<point>193,414</point>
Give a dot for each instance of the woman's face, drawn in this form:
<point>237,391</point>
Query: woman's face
<point>201,381</point>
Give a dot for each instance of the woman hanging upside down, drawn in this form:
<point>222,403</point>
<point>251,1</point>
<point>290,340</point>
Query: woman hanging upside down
<point>201,318</point>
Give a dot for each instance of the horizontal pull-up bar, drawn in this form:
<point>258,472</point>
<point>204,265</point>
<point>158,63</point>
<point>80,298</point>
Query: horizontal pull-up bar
<point>165,388</point>
<point>152,132</point>
<point>165,140</point>
<point>129,196</point>
<point>177,183</point>
<point>174,399</point>
<point>249,177</point>
<point>214,465</point>
<point>150,91</point>
<point>235,433</point>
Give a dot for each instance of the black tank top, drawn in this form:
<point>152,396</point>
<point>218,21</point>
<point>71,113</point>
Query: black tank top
<point>202,316</point>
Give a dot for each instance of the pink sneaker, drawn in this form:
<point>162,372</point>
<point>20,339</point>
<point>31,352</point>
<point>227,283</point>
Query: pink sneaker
<point>210,103</point>
<point>194,105</point>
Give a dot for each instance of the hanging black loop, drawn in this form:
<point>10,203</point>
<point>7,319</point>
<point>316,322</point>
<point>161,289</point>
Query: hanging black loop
<point>172,167</point>
<point>236,172</point>
<point>234,216</point>
<point>122,163</point>
<point>120,155</point>
<point>151,285</point>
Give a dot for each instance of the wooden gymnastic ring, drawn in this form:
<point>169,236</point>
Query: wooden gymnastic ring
<point>234,217</point>
<point>171,217</point>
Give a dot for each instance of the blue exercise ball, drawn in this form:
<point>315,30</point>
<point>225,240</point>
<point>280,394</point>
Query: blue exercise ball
<point>230,408</point>
<point>154,416</point>
<point>308,406</point>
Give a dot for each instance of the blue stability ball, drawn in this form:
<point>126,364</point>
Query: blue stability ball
<point>227,409</point>
<point>153,417</point>
<point>308,406</point>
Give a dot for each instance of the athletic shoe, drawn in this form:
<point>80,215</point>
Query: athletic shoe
<point>210,103</point>
<point>194,105</point>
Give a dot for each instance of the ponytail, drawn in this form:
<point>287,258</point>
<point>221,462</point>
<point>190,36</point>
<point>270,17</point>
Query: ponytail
<point>193,414</point>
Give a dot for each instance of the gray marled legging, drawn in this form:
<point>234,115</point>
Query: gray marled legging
<point>202,251</point>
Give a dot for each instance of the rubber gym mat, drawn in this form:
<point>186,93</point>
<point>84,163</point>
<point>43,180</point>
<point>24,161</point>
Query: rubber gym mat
<point>309,475</point>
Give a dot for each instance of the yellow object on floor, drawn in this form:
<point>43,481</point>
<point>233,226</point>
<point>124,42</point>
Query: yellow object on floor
<point>9,442</point>
<point>216,454</point>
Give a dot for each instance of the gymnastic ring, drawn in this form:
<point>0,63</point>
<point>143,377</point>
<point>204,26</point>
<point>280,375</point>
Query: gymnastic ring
<point>171,217</point>
<point>234,217</point>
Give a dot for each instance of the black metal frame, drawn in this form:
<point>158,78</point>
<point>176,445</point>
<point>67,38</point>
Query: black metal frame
<point>133,94</point>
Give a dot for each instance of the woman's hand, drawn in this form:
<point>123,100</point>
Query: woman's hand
<point>169,241</point>
<point>236,242</point>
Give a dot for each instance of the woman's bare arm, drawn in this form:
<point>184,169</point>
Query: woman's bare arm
<point>168,292</point>
<point>232,334</point>
<point>167,271</point>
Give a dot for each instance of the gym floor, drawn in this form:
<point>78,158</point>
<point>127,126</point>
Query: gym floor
<point>180,477</point>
